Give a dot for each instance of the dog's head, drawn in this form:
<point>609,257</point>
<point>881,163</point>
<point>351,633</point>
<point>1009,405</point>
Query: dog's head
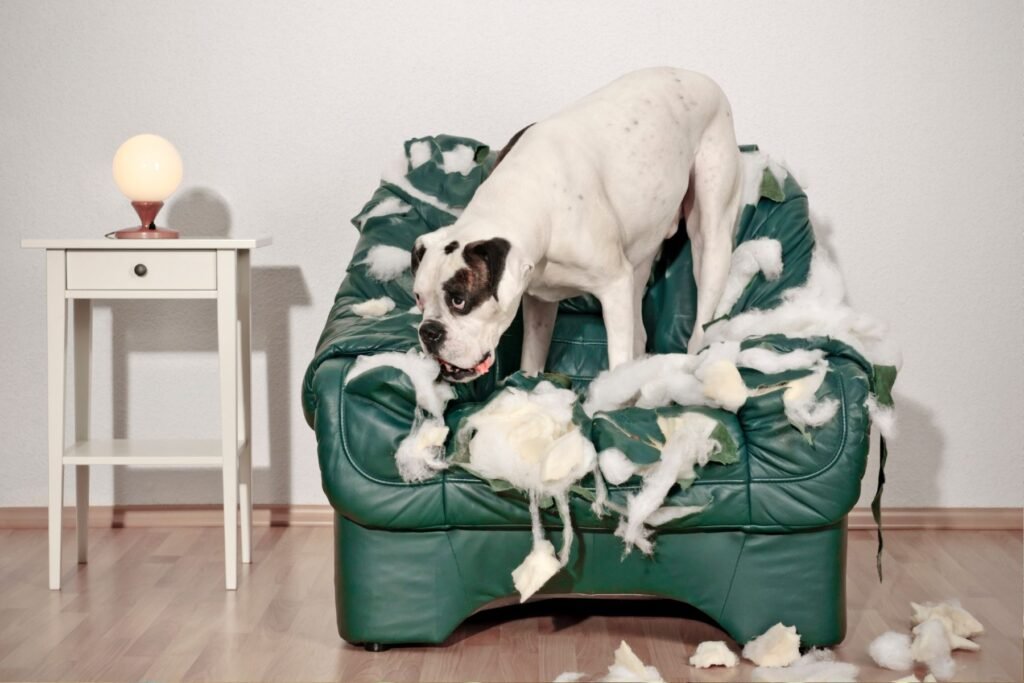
<point>469,294</point>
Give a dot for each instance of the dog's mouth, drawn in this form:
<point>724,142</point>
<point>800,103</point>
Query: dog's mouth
<point>453,373</point>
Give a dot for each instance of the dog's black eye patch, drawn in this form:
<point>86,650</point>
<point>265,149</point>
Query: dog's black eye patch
<point>417,255</point>
<point>451,246</point>
<point>471,286</point>
<point>487,259</point>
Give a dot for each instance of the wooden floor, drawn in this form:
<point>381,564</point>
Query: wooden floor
<point>151,606</point>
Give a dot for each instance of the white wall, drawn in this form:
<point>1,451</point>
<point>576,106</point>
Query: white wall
<point>903,119</point>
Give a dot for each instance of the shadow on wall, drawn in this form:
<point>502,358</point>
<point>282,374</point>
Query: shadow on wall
<point>918,436</point>
<point>177,326</point>
<point>916,455</point>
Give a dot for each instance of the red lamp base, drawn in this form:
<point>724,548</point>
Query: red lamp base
<point>147,214</point>
<point>141,233</point>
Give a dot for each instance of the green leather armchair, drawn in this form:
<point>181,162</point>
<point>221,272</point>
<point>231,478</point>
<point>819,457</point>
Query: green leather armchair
<point>414,560</point>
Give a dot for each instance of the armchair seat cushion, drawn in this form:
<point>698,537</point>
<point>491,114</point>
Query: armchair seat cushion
<point>781,481</point>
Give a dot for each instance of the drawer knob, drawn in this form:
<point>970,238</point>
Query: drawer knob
<point>141,270</point>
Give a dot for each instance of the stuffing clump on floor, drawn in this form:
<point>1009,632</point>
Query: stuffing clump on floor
<point>776,652</point>
<point>938,630</point>
<point>713,653</point>
<point>817,666</point>
<point>778,646</point>
<point>891,650</point>
<point>626,668</point>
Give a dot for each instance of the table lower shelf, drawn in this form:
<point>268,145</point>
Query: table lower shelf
<point>153,452</point>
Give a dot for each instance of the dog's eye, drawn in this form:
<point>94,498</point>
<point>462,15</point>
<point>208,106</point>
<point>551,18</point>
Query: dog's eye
<point>456,302</point>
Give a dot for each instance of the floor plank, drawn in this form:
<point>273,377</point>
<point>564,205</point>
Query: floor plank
<point>150,605</point>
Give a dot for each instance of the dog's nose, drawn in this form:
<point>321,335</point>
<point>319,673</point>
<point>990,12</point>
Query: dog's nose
<point>432,333</point>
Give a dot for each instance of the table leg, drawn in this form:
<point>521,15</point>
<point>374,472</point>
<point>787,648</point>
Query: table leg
<point>227,345</point>
<point>83,360</point>
<point>245,400</point>
<point>56,346</point>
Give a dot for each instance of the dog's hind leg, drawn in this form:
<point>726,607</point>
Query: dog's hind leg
<point>617,299</point>
<point>641,274</point>
<point>538,324</point>
<point>717,180</point>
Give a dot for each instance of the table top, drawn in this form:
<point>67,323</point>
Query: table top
<point>180,243</point>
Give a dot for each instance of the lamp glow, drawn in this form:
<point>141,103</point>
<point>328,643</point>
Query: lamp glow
<point>147,169</point>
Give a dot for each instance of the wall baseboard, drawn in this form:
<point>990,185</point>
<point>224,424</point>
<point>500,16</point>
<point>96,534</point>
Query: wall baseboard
<point>129,516</point>
<point>893,519</point>
<point>125,516</point>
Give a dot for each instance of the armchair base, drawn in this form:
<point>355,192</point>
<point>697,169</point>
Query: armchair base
<point>405,587</point>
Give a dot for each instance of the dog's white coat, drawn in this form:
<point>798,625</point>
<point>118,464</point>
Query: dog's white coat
<point>586,198</point>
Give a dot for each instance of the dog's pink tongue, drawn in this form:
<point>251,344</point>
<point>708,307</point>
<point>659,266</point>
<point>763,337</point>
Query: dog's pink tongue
<point>484,365</point>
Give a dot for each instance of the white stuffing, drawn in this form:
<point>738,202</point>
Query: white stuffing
<point>713,653</point>
<point>891,650</point>
<point>763,255</point>
<point>612,389</point>
<point>395,174</point>
<point>386,207</point>
<point>459,160</point>
<point>724,387</point>
<point>769,362</point>
<point>713,354</point>
<point>538,567</point>
<point>421,454</point>
<point>778,646</point>
<point>668,513</point>
<point>569,677</point>
<point>960,621</point>
<point>615,466</point>
<point>956,642</point>
<point>422,370</point>
<point>939,629</point>
<point>688,443</point>
<point>931,646</point>
<point>817,308</point>
<point>628,668</point>
<point>882,417</point>
<point>681,388</point>
<point>819,666</point>
<point>419,153</point>
<point>374,308</point>
<point>600,493</point>
<point>709,379</point>
<point>518,432</point>
<point>529,440</point>
<point>800,402</point>
<point>754,165</point>
<point>386,262</point>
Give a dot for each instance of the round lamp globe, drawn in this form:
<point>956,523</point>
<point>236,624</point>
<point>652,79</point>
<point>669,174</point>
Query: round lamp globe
<point>147,168</point>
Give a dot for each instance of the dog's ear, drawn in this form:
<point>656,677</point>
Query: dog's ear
<point>488,257</point>
<point>508,147</point>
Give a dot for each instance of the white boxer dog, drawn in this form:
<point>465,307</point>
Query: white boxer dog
<point>581,203</point>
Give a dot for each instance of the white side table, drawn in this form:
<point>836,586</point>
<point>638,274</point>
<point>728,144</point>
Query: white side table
<point>86,269</point>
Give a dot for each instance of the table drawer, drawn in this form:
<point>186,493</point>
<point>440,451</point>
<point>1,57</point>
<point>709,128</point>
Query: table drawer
<point>141,269</point>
